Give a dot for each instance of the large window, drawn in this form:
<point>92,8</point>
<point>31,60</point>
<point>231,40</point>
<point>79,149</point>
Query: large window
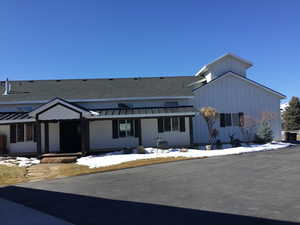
<point>18,133</point>
<point>169,124</point>
<point>231,119</point>
<point>126,128</point>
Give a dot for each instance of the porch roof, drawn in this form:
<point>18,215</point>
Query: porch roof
<point>15,117</point>
<point>21,117</point>
<point>143,112</point>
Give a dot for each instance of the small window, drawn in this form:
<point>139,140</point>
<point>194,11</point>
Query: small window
<point>13,131</point>
<point>125,105</point>
<point>175,123</point>
<point>126,128</point>
<point>20,132</point>
<point>167,124</point>
<point>235,120</point>
<point>171,104</point>
<point>241,119</point>
<point>228,120</point>
<point>29,132</point>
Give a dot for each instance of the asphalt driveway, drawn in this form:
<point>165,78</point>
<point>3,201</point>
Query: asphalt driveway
<point>255,188</point>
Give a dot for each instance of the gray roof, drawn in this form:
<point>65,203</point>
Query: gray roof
<point>144,111</point>
<point>36,90</point>
<point>113,113</point>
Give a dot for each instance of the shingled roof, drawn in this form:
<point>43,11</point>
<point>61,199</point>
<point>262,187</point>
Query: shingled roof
<point>41,90</point>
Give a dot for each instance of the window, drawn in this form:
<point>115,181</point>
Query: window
<point>126,128</point>
<point>13,132</point>
<point>20,132</point>
<point>168,124</point>
<point>17,132</point>
<point>125,105</point>
<point>171,104</point>
<point>231,119</point>
<point>29,132</point>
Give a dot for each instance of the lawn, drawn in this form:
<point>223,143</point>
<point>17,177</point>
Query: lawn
<point>10,175</point>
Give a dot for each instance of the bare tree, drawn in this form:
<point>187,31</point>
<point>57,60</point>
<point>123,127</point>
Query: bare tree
<point>210,116</point>
<point>248,128</point>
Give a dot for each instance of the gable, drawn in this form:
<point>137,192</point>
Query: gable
<point>59,112</point>
<point>58,109</point>
<point>239,80</point>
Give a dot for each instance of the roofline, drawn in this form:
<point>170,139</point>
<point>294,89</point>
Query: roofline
<point>246,62</point>
<point>99,100</point>
<point>282,96</point>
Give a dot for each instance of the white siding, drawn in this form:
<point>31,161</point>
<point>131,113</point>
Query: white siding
<point>232,95</point>
<point>174,138</point>
<point>26,146</point>
<point>101,137</point>
<point>59,112</point>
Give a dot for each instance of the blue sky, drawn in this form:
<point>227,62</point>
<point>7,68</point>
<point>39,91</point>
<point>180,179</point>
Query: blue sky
<point>105,38</point>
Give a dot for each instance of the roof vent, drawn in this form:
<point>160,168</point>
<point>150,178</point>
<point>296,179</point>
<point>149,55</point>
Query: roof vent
<point>84,80</point>
<point>161,78</point>
<point>58,80</point>
<point>111,78</point>
<point>31,81</point>
<point>7,87</point>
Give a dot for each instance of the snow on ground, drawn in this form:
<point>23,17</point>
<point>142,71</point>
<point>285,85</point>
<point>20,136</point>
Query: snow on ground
<point>119,157</point>
<point>18,161</point>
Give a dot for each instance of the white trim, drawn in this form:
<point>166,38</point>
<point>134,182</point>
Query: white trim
<point>17,121</point>
<point>99,100</point>
<point>143,115</point>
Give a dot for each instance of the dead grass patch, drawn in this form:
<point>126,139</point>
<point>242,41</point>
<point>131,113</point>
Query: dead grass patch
<point>52,171</point>
<point>12,174</point>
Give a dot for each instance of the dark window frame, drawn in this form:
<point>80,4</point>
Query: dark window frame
<point>171,124</point>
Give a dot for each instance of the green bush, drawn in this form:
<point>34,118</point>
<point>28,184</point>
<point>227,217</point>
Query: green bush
<point>264,133</point>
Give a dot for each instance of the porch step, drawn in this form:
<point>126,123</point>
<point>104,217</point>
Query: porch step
<point>59,159</point>
<point>77,154</point>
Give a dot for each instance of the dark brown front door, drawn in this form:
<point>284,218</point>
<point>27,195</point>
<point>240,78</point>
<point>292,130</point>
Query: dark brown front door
<point>70,136</point>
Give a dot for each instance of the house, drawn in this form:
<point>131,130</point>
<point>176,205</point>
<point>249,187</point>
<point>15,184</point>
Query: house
<point>88,115</point>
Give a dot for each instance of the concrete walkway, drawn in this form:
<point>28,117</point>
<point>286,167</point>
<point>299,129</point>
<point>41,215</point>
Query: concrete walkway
<point>16,214</point>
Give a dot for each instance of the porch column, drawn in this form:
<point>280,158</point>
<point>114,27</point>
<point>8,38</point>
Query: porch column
<point>191,130</point>
<point>38,138</point>
<point>85,135</point>
<point>46,137</point>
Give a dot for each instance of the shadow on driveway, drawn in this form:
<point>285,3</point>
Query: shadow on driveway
<point>85,210</point>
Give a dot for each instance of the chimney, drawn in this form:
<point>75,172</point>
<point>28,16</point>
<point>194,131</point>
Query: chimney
<point>6,87</point>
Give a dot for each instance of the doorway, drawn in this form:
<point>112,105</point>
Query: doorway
<point>70,136</point>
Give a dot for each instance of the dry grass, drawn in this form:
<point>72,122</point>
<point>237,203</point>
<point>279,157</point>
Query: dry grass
<point>13,175</point>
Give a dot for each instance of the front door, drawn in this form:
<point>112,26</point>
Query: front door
<point>70,136</point>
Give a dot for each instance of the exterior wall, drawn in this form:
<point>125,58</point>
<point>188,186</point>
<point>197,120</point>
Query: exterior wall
<point>101,137</point>
<point>233,95</point>
<point>174,138</point>
<point>225,65</point>
<point>19,147</point>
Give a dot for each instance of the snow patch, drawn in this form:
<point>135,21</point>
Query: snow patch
<point>18,161</point>
<point>119,157</point>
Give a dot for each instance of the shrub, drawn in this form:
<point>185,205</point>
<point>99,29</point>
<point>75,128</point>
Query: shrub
<point>265,132</point>
<point>127,151</point>
<point>141,150</point>
<point>219,144</point>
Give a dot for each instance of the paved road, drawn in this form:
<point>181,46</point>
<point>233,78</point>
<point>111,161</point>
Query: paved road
<point>255,188</point>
